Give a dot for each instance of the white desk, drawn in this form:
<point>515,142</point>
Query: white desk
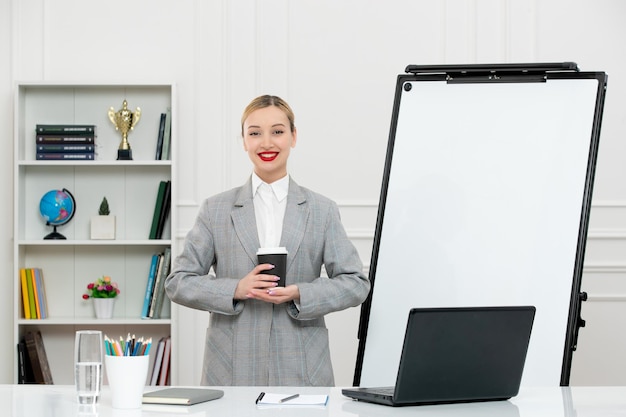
<point>59,401</point>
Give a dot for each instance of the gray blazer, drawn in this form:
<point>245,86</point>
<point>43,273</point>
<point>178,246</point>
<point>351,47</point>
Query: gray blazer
<point>253,342</point>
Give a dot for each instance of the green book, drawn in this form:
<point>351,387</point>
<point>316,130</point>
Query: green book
<point>157,209</point>
<point>165,209</point>
<point>31,294</point>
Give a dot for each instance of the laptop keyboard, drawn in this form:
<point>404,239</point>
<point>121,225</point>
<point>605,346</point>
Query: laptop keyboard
<point>383,390</point>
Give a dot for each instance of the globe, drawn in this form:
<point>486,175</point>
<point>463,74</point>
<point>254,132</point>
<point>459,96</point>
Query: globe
<point>57,207</point>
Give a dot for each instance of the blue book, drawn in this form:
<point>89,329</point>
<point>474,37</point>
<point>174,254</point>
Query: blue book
<point>149,286</point>
<point>41,293</point>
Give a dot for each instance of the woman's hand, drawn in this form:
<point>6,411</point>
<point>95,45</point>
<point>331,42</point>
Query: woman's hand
<point>263,287</point>
<point>279,295</point>
<point>255,282</point>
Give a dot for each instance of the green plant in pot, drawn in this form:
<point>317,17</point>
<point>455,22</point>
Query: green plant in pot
<point>103,225</point>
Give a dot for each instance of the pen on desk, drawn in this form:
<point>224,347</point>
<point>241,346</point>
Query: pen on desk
<point>291,397</point>
<point>259,398</point>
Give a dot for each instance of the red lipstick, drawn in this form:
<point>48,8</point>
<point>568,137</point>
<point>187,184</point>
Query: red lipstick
<point>268,156</point>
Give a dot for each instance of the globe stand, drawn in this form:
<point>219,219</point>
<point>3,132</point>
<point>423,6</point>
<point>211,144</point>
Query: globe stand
<point>54,235</point>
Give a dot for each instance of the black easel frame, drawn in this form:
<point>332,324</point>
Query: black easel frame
<point>480,75</point>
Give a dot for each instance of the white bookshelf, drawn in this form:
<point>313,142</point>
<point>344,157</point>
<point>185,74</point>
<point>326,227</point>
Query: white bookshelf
<point>130,188</point>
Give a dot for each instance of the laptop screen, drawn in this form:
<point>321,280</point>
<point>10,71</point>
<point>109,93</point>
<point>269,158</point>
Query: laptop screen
<point>463,353</point>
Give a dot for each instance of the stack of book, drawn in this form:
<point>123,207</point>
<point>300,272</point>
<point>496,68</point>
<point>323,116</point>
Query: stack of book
<point>160,374</point>
<point>33,293</point>
<point>65,142</point>
<point>155,286</point>
<point>164,137</point>
<point>32,360</point>
<point>162,207</point>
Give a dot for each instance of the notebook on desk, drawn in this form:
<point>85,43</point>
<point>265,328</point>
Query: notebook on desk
<point>457,354</point>
<point>182,395</point>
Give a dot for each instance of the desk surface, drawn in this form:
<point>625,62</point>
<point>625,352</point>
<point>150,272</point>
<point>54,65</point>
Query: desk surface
<point>59,400</point>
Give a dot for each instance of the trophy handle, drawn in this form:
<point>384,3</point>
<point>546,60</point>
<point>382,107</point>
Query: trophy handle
<point>136,117</point>
<point>112,117</point>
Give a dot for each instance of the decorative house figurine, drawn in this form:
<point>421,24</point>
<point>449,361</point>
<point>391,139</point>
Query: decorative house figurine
<point>103,225</point>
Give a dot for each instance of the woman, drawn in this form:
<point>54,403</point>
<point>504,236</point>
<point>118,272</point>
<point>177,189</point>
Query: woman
<point>261,334</point>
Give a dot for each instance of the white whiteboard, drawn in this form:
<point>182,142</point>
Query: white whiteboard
<point>486,185</point>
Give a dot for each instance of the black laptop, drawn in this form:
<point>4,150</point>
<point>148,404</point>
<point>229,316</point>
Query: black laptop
<point>457,354</point>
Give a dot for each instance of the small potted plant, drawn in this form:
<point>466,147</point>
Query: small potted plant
<point>104,292</point>
<point>103,225</point>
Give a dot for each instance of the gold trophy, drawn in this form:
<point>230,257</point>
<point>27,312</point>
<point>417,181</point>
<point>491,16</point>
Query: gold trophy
<point>124,121</point>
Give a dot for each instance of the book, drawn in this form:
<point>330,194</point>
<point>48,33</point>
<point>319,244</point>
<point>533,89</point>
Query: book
<point>150,285</point>
<point>43,358</point>
<point>158,204</point>
<point>158,359</point>
<point>167,136</point>
<point>31,294</point>
<point>65,139</point>
<point>66,156</point>
<point>38,358</point>
<point>41,293</point>
<point>25,299</point>
<point>181,396</point>
<point>159,145</point>
<point>155,286</point>
<point>25,368</point>
<point>33,278</point>
<point>160,285</point>
<point>31,350</point>
<point>165,363</point>
<point>165,209</point>
<point>21,365</point>
<point>65,129</point>
<point>65,147</point>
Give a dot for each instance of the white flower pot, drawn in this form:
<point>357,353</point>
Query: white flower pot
<point>103,227</point>
<point>103,307</point>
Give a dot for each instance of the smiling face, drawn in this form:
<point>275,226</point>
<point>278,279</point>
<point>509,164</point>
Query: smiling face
<point>268,139</point>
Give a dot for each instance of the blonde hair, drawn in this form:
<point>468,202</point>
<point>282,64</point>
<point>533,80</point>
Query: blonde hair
<point>265,101</point>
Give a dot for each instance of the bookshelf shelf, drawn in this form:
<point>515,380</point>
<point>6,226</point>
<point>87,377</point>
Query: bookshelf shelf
<point>114,242</point>
<point>96,163</point>
<point>93,322</point>
<point>130,187</point>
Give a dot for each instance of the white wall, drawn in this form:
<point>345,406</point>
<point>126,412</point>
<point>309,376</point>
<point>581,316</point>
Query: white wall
<point>336,62</point>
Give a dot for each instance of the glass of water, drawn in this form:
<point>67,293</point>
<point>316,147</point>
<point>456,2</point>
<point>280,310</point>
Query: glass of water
<point>88,349</point>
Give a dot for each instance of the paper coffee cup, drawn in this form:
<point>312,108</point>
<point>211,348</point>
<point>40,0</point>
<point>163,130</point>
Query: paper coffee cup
<point>276,257</point>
